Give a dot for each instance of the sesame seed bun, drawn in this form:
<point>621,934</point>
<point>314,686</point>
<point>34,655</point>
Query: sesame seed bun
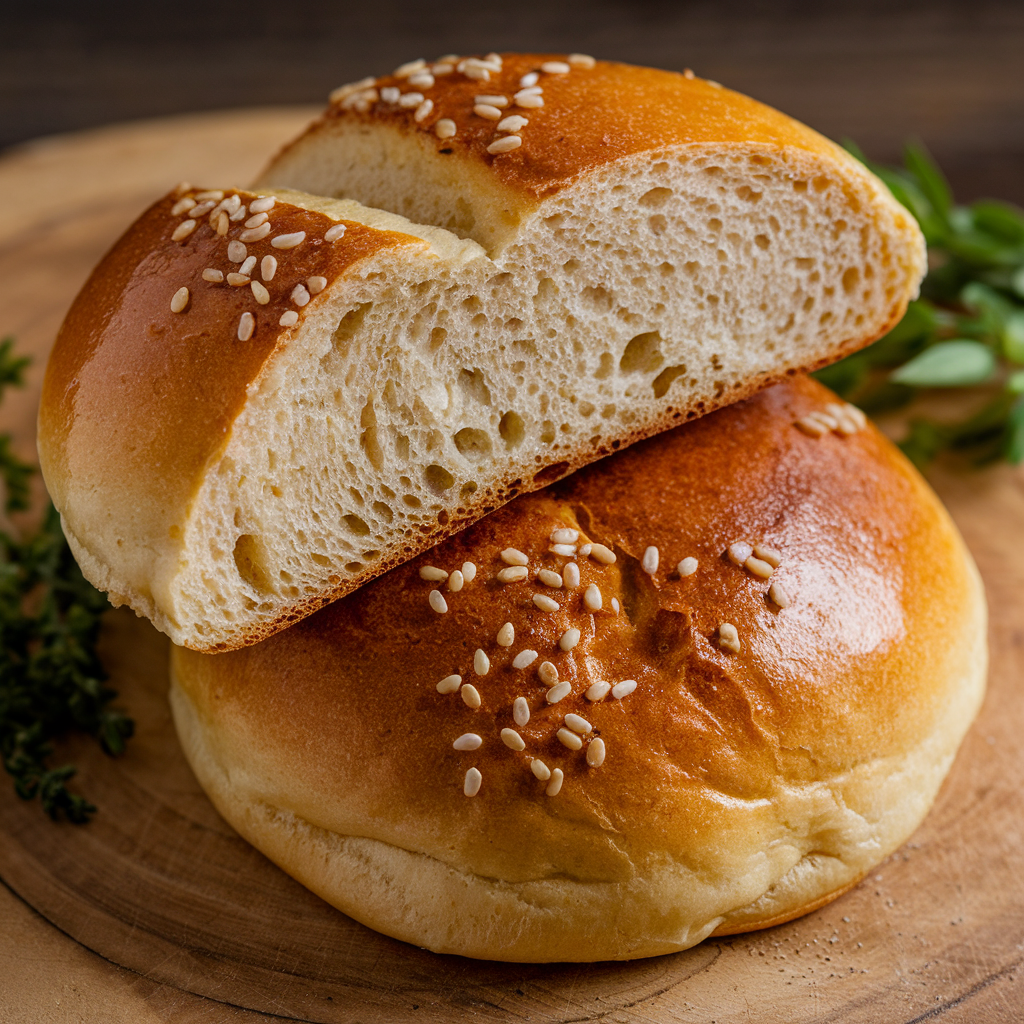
<point>734,777</point>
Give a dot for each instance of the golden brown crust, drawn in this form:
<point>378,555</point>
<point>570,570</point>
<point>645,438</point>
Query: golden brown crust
<point>591,116</point>
<point>827,733</point>
<point>137,398</point>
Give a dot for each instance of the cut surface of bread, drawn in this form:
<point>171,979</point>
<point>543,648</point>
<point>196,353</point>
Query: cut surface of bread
<point>587,762</point>
<point>230,466</point>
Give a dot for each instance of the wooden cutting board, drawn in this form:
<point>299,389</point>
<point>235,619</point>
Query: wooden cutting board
<point>207,929</point>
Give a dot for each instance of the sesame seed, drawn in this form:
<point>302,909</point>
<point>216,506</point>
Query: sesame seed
<point>425,80</point>
<point>615,605</point>
<point>182,206</point>
<point>471,695</point>
<point>564,536</point>
<point>390,94</point>
<point>492,101</point>
<point>599,553</point>
<point>623,689</point>
<point>513,556</point>
<point>571,575</point>
<point>554,787</point>
<point>481,663</point>
<point>473,782</point>
<point>524,659</point>
<point>213,276</point>
<point>513,123</point>
<point>520,711</point>
<point>215,194</point>
<point>183,230</point>
<point>237,252</point>
<point>486,110</point>
<point>540,769</point>
<point>558,691</point>
<point>687,567</point>
<point>299,295</point>
<point>256,220</point>
<point>288,241</point>
<point>650,561</point>
<point>569,739</point>
<point>440,69</point>
<point>810,427</point>
<point>179,300</point>
<point>345,90</point>
<point>547,673</point>
<point>585,549</point>
<point>504,145</point>
<point>289,318</point>
<point>449,684</point>
<point>597,691</point>
<point>592,598</point>
<point>512,739</point>
<point>437,602</point>
<point>334,233</point>
<point>531,90</point>
<point>478,74</point>
<point>265,203</point>
<point>422,112</point>
<point>445,128</point>
<point>545,603</point>
<point>728,637</point>
<point>246,326</point>
<point>549,578</point>
<point>555,67</point>
<point>222,224</point>
<point>431,572</point>
<point>468,571</point>
<point>530,101</point>
<point>530,78</point>
<point>468,741</point>
<point>777,595</point>
<point>410,100</point>
<point>238,214</point>
<point>456,581</point>
<point>409,68</point>
<point>739,552</point>
<point>827,421</point>
<point>513,574</point>
<point>201,210</point>
<point>758,567</point>
<point>713,84</point>
<point>268,267</point>
<point>578,724</point>
<point>506,635</point>
<point>688,73</point>
<point>255,234</point>
<point>238,280</point>
<point>248,265</point>
<point>570,638</point>
<point>846,426</point>
<point>261,294</point>
<point>596,752</point>
<point>564,550</point>
<point>581,60</point>
<point>855,414</point>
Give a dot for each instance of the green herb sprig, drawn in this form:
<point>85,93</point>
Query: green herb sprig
<point>966,330</point>
<point>51,680</point>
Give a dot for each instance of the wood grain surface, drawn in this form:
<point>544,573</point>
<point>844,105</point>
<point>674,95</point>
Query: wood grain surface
<point>157,911</point>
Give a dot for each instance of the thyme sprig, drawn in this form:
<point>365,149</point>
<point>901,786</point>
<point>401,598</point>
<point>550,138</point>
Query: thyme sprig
<point>965,331</point>
<point>51,680</point>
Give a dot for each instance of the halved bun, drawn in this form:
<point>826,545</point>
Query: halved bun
<point>647,269</point>
<point>738,788</point>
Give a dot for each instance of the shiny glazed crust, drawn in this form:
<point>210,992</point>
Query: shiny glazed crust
<point>739,788</point>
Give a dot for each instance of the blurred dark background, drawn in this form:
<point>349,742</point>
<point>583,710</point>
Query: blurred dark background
<point>948,73</point>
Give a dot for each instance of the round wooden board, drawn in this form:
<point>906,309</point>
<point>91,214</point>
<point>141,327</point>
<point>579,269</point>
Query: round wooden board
<point>159,884</point>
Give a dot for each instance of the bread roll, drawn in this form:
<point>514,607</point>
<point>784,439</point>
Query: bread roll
<point>785,729</point>
<point>228,459</point>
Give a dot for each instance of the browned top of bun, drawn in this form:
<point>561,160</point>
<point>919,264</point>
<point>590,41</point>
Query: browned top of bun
<point>139,390</point>
<point>340,721</point>
<point>591,116</point>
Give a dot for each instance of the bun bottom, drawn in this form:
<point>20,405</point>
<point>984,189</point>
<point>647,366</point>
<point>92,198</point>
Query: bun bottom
<point>422,900</point>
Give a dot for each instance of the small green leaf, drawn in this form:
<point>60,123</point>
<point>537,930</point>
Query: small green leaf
<point>949,364</point>
<point>1015,434</point>
<point>1013,337</point>
<point>1018,282</point>
<point>1015,385</point>
<point>1002,220</point>
<point>930,179</point>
